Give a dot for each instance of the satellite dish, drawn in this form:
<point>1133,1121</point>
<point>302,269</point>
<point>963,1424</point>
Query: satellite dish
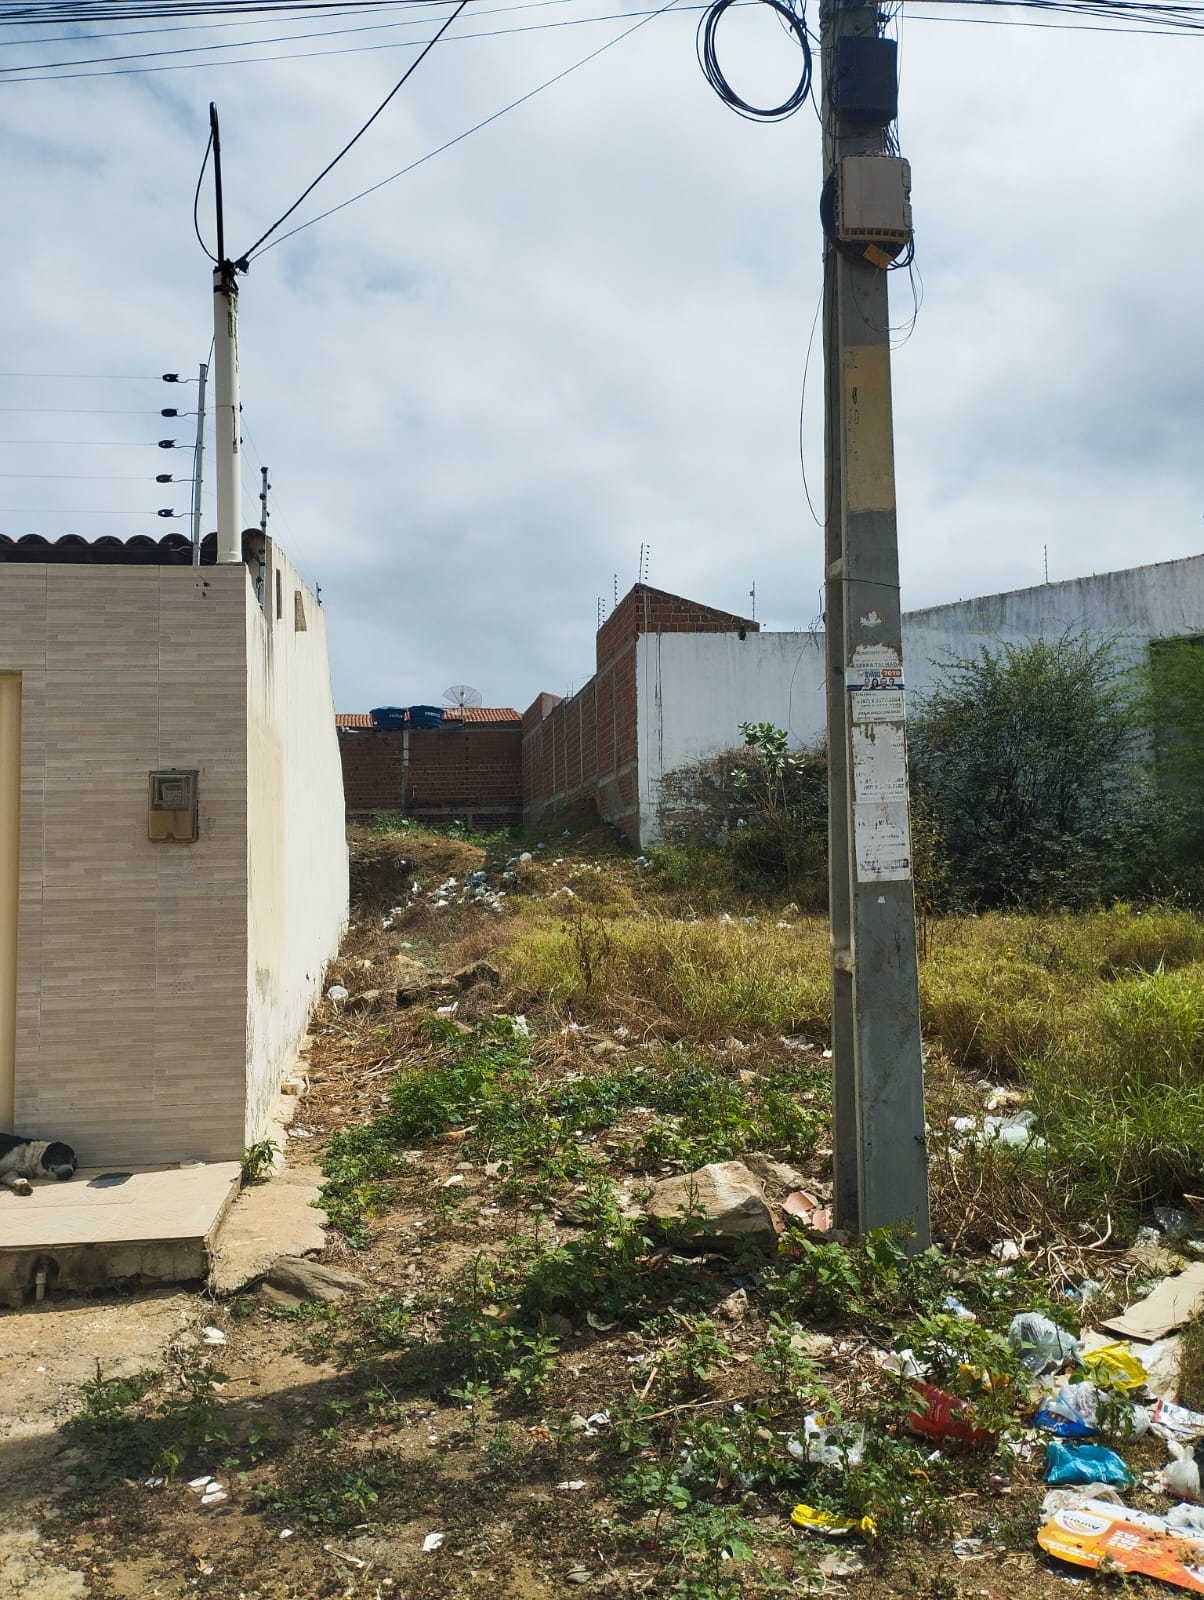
<point>461,694</point>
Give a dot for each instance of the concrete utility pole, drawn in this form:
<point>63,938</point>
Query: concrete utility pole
<point>198,463</point>
<point>881,1169</point>
<point>226,408</point>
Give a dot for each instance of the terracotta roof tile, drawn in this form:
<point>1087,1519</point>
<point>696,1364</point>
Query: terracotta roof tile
<point>480,714</point>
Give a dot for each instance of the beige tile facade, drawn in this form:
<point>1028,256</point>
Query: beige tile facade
<point>132,956</point>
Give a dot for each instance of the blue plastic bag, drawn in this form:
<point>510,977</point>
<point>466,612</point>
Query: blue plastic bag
<point>1064,1427</point>
<point>1083,1463</point>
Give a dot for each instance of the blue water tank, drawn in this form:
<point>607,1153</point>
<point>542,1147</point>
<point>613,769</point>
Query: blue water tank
<point>388,717</point>
<point>426,716</point>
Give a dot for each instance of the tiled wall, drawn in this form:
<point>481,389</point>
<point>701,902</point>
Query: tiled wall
<point>132,956</point>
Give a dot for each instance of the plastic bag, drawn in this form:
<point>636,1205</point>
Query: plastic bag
<point>1115,1363</point>
<point>804,1516</point>
<point>1083,1463</point>
<point>839,1444</point>
<point>946,1417</point>
<point>1041,1345</point>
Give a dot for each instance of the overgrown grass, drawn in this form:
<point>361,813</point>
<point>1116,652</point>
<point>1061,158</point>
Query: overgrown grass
<point>685,979</point>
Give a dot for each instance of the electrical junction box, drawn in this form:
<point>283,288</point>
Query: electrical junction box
<point>865,83</point>
<point>873,201</point>
<point>172,811</point>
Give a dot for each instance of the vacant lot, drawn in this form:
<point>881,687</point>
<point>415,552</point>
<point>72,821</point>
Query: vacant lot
<point>537,1392</point>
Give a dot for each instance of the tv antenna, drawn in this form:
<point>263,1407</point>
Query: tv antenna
<point>461,694</point>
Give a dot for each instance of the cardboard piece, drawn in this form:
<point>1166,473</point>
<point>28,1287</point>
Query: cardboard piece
<point>1175,1301</point>
<point>1095,1532</point>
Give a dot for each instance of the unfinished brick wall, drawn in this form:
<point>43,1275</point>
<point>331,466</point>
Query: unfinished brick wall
<point>460,770</point>
<point>586,748</point>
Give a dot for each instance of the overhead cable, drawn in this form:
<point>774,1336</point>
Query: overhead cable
<point>356,137</point>
<point>708,60</point>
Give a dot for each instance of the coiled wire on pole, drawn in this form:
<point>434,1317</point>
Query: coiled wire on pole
<point>708,60</point>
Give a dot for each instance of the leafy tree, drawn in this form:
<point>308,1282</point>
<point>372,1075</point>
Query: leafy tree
<point>1031,759</point>
<point>1175,715</point>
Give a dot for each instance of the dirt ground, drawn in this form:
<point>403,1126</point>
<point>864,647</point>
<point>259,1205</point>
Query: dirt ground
<point>525,1517</point>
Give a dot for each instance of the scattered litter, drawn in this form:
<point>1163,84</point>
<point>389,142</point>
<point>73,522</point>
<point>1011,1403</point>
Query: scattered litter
<point>598,1324</point>
<point>1175,1224</point>
<point>433,1541</point>
<point>841,1563</point>
<point>596,1421</point>
<point>838,1444</point>
<point>345,1555</point>
<point>337,993</point>
<point>453,1182</point>
<point>945,1416</point>
<point>1175,1301</point>
<point>825,1522</point>
<point>1187,1519</point>
<point>1176,1422</point>
<point>577,1575</point>
<point>903,1364</point>
<point>1041,1345</point>
<point>970,1549</point>
<point>1073,1413</point>
<point>1094,1531</point>
<point>1115,1363</point>
<point>1059,1499</point>
<point>214,1495</point>
<point>808,1210</point>
<point>286,1533</point>
<point>572,1483</point>
<point>1083,1463</point>
<point>154,1483</point>
<point>1006,1250</point>
<point>213,1335</point>
<point>199,1485</point>
<point>960,1311</point>
<point>447,1011</point>
<point>1181,1475</point>
<point>521,1026</point>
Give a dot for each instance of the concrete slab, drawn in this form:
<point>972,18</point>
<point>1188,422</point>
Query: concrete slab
<point>266,1221</point>
<point>104,1228</point>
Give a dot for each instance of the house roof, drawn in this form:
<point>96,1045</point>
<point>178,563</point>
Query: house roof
<point>478,714</point>
<point>73,549</point>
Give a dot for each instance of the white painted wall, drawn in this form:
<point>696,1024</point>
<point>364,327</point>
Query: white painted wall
<point>296,838</point>
<point>1130,607</point>
<point>694,689</point>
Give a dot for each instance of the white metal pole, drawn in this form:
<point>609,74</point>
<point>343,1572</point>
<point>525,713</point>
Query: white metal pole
<point>226,414</point>
<point>197,465</point>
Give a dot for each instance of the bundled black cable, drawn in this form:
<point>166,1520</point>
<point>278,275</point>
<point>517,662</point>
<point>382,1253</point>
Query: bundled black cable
<point>708,60</point>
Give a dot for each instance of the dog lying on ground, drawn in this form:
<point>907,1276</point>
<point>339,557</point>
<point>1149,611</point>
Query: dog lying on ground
<point>23,1159</point>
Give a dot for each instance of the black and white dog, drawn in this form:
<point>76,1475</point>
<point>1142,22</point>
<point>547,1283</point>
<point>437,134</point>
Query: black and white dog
<point>23,1159</point>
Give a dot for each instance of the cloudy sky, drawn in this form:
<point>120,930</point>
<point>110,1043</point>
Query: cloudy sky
<point>584,328</point>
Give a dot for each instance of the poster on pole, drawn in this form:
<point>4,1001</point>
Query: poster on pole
<point>882,839</point>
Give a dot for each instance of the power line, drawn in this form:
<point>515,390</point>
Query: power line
<point>410,70</point>
<point>476,127</point>
<point>99,377</point>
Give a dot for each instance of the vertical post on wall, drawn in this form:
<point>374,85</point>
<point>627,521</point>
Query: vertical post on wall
<point>10,883</point>
<point>198,459</point>
<point>225,359</point>
<point>881,1170</point>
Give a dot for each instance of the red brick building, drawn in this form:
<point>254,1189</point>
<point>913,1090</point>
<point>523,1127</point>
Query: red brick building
<point>586,748</point>
<point>491,766</point>
<point>468,768</point>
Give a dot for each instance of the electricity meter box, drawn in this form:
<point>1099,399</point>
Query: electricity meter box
<point>172,808</point>
<point>873,201</point>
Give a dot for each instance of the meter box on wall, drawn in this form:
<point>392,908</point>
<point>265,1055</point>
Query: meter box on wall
<point>172,811</point>
<point>873,200</point>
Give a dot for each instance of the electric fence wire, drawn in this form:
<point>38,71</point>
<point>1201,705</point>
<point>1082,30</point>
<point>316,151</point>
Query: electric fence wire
<point>708,59</point>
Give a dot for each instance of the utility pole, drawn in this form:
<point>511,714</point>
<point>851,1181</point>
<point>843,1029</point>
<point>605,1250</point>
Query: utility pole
<point>880,1167</point>
<point>225,359</point>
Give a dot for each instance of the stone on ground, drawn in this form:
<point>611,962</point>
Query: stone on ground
<point>721,1205</point>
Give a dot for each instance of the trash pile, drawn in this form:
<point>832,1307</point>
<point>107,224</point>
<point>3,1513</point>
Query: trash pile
<point>1083,1391</point>
<point>474,890</point>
